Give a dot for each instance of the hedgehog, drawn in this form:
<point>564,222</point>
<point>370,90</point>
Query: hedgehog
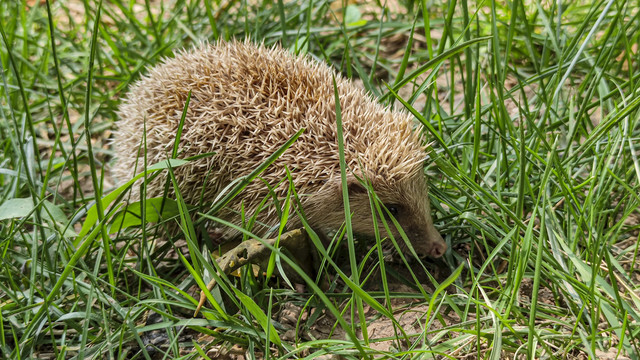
<point>246,101</point>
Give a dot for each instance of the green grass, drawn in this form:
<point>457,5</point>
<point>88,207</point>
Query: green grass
<point>535,180</point>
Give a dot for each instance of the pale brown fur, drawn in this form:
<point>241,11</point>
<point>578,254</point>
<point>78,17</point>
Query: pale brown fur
<point>246,101</point>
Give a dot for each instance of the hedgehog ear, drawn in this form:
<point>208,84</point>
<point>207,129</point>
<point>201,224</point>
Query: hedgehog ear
<point>354,186</point>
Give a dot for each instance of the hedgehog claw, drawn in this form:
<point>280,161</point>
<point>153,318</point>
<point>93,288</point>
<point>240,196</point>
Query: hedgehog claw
<point>203,296</point>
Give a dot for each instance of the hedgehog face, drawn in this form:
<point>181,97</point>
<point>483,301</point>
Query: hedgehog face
<point>405,200</point>
<point>419,229</point>
<point>413,213</point>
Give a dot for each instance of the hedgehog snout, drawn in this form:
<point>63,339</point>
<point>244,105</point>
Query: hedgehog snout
<point>436,244</point>
<point>438,249</point>
<point>428,243</point>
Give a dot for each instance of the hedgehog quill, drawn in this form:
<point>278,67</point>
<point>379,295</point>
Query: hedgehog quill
<point>246,101</point>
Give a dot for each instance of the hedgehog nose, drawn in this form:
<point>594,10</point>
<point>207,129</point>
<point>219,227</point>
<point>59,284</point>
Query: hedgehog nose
<point>438,245</point>
<point>438,249</point>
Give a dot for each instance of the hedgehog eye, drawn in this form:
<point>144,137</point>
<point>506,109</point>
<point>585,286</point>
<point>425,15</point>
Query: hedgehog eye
<point>393,210</point>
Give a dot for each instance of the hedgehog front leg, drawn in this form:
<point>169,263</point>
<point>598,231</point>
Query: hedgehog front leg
<point>255,252</point>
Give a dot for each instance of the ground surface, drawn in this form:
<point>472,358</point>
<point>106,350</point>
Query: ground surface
<point>534,178</point>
